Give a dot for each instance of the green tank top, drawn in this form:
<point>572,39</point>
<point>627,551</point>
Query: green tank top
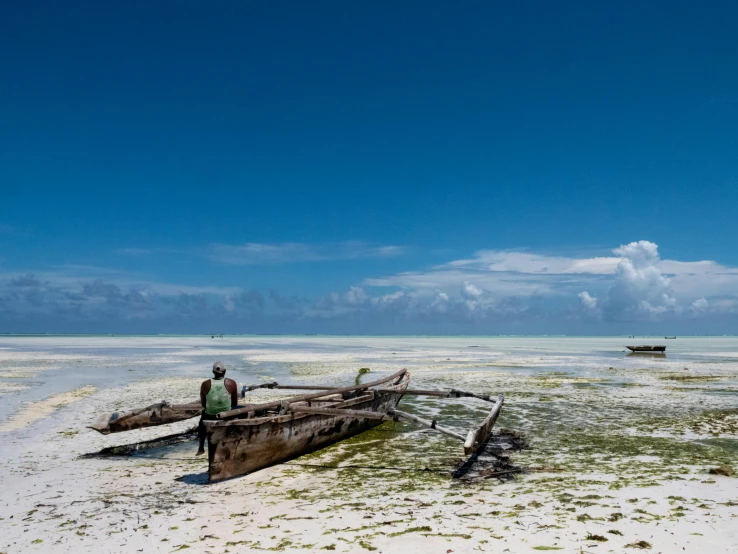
<point>218,398</point>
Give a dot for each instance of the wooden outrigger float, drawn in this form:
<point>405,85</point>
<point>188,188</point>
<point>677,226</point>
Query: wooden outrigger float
<point>255,436</point>
<point>156,414</point>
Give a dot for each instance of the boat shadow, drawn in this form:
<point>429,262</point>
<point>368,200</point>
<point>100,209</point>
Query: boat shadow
<point>194,478</point>
<point>492,458</point>
<point>142,448</point>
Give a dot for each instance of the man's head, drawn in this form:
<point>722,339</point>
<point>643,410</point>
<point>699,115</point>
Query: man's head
<point>219,369</point>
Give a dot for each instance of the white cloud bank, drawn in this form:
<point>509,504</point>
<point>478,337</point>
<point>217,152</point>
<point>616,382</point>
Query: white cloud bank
<point>633,284</point>
<point>494,291</point>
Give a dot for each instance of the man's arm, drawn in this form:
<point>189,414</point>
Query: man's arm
<point>204,390</point>
<point>232,387</point>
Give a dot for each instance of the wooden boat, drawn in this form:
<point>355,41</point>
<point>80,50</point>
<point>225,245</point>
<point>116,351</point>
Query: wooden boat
<point>263,435</point>
<point>646,348</point>
<point>255,436</point>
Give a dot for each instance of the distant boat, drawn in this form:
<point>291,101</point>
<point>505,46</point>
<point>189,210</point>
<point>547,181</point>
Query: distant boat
<point>646,348</point>
<point>669,337</point>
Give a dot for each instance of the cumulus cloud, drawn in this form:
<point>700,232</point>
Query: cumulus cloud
<point>700,306</point>
<point>587,301</point>
<point>640,286</point>
<point>470,303</point>
<point>715,306</point>
<point>399,302</point>
<point>469,291</point>
<point>440,303</point>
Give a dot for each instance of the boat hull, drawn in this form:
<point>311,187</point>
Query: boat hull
<point>242,446</point>
<point>646,348</point>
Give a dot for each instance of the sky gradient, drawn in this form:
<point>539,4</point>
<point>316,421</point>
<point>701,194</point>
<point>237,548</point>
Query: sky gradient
<point>327,167</point>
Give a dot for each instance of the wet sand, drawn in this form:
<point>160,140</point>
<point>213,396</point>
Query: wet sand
<point>618,458</point>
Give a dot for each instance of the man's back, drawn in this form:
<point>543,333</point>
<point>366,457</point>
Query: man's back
<point>218,395</point>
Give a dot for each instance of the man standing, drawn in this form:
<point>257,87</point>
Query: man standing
<point>216,395</point>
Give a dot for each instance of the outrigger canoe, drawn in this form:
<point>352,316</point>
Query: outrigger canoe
<point>255,436</point>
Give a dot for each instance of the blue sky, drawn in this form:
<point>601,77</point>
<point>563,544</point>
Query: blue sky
<point>345,167</point>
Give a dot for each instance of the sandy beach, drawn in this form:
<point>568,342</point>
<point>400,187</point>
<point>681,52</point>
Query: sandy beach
<point>618,449</point>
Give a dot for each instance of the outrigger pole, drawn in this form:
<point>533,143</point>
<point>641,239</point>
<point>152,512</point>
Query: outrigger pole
<point>453,393</point>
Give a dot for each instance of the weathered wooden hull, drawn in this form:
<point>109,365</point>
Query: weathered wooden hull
<point>242,446</point>
<point>646,348</point>
<point>156,414</point>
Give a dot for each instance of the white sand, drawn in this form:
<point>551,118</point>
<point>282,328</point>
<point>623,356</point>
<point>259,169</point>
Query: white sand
<point>53,501</point>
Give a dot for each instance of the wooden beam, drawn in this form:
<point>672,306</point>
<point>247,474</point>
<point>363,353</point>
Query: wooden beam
<point>453,393</point>
<point>275,385</point>
<point>340,413</point>
<point>248,388</point>
<point>429,424</point>
<point>286,402</point>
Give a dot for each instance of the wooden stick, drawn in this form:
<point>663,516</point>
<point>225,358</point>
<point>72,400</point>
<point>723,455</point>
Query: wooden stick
<point>286,402</point>
<point>429,424</point>
<point>275,385</point>
<point>453,393</point>
<point>247,388</point>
